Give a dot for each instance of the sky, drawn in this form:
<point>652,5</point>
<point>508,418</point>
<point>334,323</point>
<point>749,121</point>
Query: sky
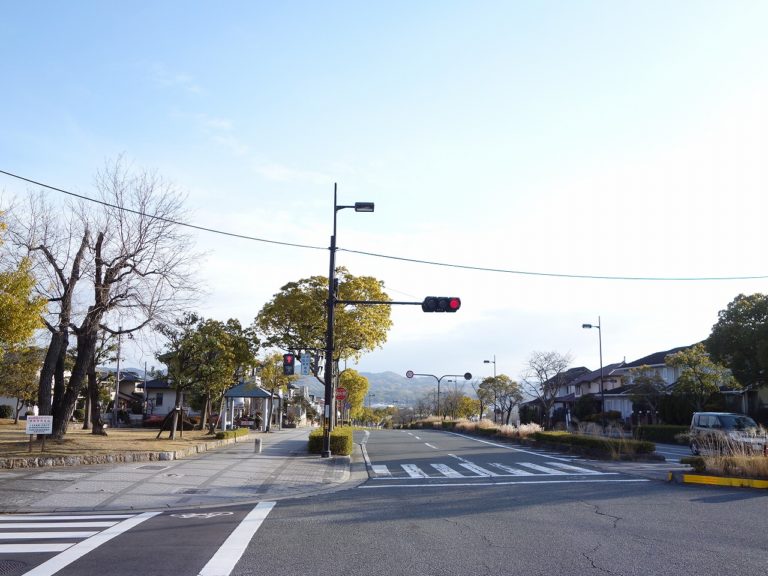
<point>548,142</point>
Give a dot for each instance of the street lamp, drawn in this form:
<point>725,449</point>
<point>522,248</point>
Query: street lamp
<point>494,384</point>
<point>602,392</point>
<point>331,306</point>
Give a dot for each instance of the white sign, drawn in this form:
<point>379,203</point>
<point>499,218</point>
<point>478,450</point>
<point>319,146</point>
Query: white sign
<point>39,424</point>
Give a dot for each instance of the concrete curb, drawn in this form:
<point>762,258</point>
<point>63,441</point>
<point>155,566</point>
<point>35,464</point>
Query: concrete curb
<point>686,478</point>
<point>116,458</point>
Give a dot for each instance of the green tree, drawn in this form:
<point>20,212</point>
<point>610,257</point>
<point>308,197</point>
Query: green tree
<point>18,374</point>
<point>739,339</point>
<point>700,377</point>
<point>506,394</point>
<point>20,310</point>
<point>467,407</point>
<point>295,318</point>
<point>357,387</point>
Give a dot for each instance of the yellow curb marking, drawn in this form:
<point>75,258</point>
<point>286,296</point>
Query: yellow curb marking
<point>718,481</point>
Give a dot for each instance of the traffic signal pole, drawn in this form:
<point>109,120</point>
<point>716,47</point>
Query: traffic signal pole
<point>330,310</point>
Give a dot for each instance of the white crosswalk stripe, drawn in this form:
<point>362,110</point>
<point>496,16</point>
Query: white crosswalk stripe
<point>27,533</point>
<point>472,470</point>
<point>447,471</point>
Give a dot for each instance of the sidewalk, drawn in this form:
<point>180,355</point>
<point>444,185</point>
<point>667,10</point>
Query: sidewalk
<point>230,474</point>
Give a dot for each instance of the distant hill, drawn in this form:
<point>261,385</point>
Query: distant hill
<point>387,388</point>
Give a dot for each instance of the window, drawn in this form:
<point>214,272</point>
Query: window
<point>158,399</point>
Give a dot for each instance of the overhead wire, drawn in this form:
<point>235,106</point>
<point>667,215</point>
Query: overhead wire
<point>400,258</point>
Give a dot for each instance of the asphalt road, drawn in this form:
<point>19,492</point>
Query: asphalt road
<point>442,504</point>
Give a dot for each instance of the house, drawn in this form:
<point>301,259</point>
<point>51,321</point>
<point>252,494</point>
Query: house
<point>620,399</point>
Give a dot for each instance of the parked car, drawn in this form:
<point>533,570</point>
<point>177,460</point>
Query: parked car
<point>726,432</point>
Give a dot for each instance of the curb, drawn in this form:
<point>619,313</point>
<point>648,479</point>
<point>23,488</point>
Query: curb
<point>685,478</point>
<point>116,458</point>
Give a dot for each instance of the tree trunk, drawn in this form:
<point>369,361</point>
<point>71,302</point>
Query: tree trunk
<point>44,396</point>
<point>97,424</point>
<point>86,346</point>
<point>206,410</point>
<point>176,410</point>
<point>59,383</point>
<point>87,416</point>
<point>19,403</point>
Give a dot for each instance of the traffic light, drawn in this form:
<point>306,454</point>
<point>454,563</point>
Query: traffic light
<point>441,304</point>
<point>289,362</point>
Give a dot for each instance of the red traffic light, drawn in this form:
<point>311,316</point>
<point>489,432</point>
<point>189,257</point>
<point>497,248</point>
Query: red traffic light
<point>441,304</point>
<point>289,361</point>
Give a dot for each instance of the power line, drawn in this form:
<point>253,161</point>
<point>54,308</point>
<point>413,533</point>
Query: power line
<point>160,218</point>
<point>402,258</point>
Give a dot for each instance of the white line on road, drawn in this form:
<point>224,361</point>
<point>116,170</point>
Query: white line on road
<point>540,468</point>
<point>82,548</point>
<point>223,562</point>
<point>16,525</point>
<point>414,471</point>
<point>447,471</point>
<point>564,459</point>
<point>44,535</point>
<point>381,469</point>
<point>34,517</point>
<point>430,445</point>
<point>29,548</point>
<point>484,484</point>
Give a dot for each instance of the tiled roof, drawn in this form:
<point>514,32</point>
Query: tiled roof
<point>655,359</point>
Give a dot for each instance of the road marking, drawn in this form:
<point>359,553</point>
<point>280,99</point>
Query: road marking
<point>27,517</point>
<point>430,445</point>
<point>540,468</point>
<point>70,554</point>
<point>447,471</point>
<point>381,469</point>
<point>56,524</point>
<point>44,535</point>
<point>29,548</point>
<point>417,438</point>
<point>573,468</point>
<point>223,562</point>
<point>477,469</point>
<point>498,483</point>
<point>202,514</point>
<point>414,471</point>
<point>512,471</point>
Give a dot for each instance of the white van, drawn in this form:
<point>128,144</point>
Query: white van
<point>726,432</point>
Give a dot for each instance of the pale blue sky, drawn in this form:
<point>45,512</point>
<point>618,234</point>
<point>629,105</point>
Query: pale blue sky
<point>608,138</point>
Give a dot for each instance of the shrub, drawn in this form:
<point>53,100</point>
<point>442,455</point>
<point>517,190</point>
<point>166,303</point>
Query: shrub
<point>224,434</point>
<point>601,445</point>
<point>341,441</point>
<point>6,411</point>
<point>660,432</point>
<point>695,462</point>
<point>78,414</point>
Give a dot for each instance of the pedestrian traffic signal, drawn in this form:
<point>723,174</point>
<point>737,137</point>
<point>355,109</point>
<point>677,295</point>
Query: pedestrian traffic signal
<point>441,304</point>
<point>289,362</point>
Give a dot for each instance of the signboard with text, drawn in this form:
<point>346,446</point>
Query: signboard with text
<point>39,424</point>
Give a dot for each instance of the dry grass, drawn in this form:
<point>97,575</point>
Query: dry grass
<point>15,443</point>
<point>728,458</point>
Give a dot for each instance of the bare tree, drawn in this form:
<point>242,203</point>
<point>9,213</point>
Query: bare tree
<point>131,253</point>
<point>543,377</point>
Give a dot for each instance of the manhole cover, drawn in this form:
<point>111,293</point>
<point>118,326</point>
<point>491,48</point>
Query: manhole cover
<point>152,467</point>
<point>8,566</point>
<point>194,491</point>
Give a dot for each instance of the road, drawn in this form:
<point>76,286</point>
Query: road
<point>435,503</point>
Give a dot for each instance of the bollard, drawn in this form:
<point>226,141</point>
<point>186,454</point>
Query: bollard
<point>257,446</point>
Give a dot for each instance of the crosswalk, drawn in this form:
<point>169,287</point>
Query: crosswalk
<point>463,468</point>
<point>45,534</point>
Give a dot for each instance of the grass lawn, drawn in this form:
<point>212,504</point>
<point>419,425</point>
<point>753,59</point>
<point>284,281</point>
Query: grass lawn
<point>15,443</point>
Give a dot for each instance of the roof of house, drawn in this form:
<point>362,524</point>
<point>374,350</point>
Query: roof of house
<point>246,390</point>
<point>655,359</point>
<point>159,383</point>
<point>595,374</point>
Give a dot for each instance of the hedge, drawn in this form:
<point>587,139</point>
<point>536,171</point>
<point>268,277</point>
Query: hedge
<point>6,411</point>
<point>341,441</point>
<point>596,443</point>
<point>660,432</point>
<point>224,434</point>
